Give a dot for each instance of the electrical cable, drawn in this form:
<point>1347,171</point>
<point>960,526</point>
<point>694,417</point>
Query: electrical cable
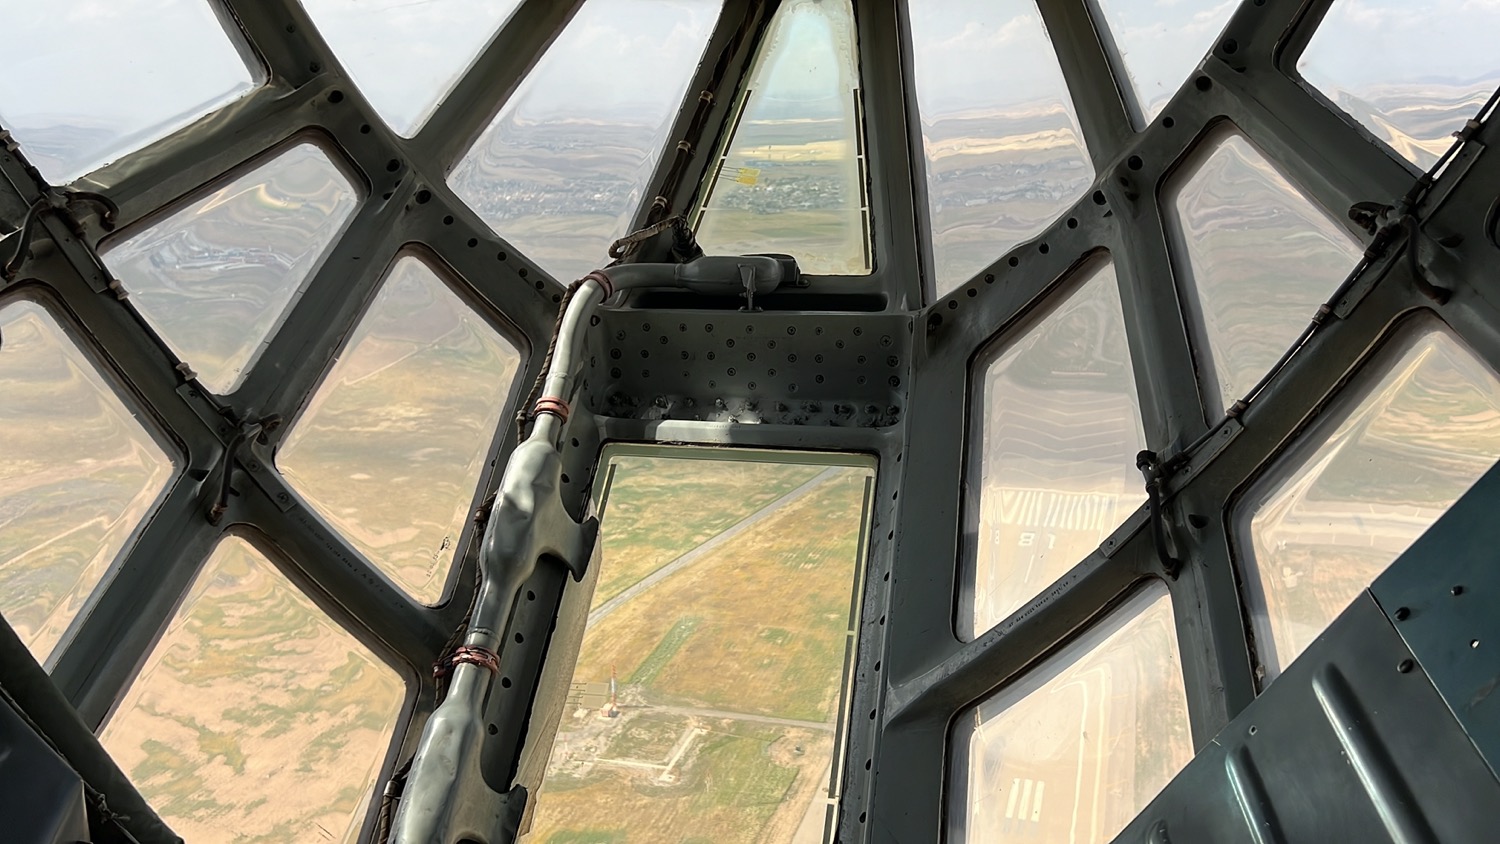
<point>1406,223</point>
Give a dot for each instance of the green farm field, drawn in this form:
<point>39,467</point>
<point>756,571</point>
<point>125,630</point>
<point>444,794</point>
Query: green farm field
<point>726,712</point>
<point>703,498</point>
<point>737,657</point>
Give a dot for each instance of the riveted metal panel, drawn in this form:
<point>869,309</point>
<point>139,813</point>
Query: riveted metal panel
<point>1351,743</point>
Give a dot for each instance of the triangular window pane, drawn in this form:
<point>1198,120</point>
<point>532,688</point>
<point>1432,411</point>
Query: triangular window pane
<point>216,277</point>
<point>792,178</point>
<point>256,717</point>
<point>1262,258</point>
<point>82,84</point>
<point>404,56</point>
<point>79,475</point>
<point>1363,485</point>
<point>1058,424</point>
<point>564,166</point>
<point>1160,42</point>
<point>1412,73</point>
<point>412,405</point>
<point>1004,152</point>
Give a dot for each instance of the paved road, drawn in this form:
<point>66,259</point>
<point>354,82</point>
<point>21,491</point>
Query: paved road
<point>697,554</point>
<point>739,716</point>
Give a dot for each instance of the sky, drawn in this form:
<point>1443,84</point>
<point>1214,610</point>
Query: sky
<point>142,68</point>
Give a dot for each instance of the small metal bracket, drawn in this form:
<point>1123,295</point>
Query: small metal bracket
<point>1182,467</point>
<point>747,278</point>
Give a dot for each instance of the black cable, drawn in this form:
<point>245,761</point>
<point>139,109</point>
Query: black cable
<point>23,238</point>
<point>388,800</point>
<point>1151,468</point>
<point>1407,223</point>
<point>226,462</point>
<point>526,413</point>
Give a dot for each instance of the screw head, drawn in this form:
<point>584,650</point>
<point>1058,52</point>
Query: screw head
<point>1458,590</point>
<point>1405,666</point>
<point>1402,613</point>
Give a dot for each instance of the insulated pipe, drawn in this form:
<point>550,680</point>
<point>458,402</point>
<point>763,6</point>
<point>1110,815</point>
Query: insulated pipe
<point>446,799</point>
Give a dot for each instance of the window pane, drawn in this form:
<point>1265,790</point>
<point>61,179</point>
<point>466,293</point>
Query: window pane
<point>1261,258</point>
<point>1412,73</point>
<point>1058,425</point>
<point>1005,155</point>
<point>79,474</point>
<point>391,446</point>
<point>256,715</point>
<point>563,168</point>
<point>215,278</point>
<point>792,179</point>
<point>1078,746</point>
<point>1160,42</point>
<point>404,56</point>
<point>1364,484</point>
<point>723,720</point>
<point>74,104</point>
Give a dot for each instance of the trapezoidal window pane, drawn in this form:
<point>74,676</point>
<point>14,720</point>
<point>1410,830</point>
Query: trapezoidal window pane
<point>1075,748</point>
<point>1004,152</point>
<point>256,717</point>
<point>792,177</point>
<point>697,715</point>
<point>1055,432</point>
<point>404,56</point>
<point>82,84</point>
<point>1261,257</point>
<point>564,166</point>
<point>1411,73</point>
<point>79,474</point>
<point>391,447</point>
<point>1413,434</point>
<point>1160,42</point>
<point>216,278</point>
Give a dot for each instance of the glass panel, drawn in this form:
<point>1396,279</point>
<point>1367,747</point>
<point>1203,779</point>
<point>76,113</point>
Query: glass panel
<point>391,446</point>
<point>695,716</point>
<point>1079,745</point>
<point>792,178</point>
<point>1160,42</point>
<point>79,475</point>
<point>1005,155</point>
<point>1364,484</point>
<point>1059,426</point>
<point>438,42</point>
<point>1412,73</point>
<point>564,166</point>
<point>1261,257</point>
<point>216,278</point>
<point>256,713</point>
<point>75,105</point>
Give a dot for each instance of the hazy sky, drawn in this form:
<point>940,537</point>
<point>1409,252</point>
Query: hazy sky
<point>1375,42</point>
<point>114,61</point>
<point>617,55</point>
<point>144,67</point>
<point>439,39</point>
